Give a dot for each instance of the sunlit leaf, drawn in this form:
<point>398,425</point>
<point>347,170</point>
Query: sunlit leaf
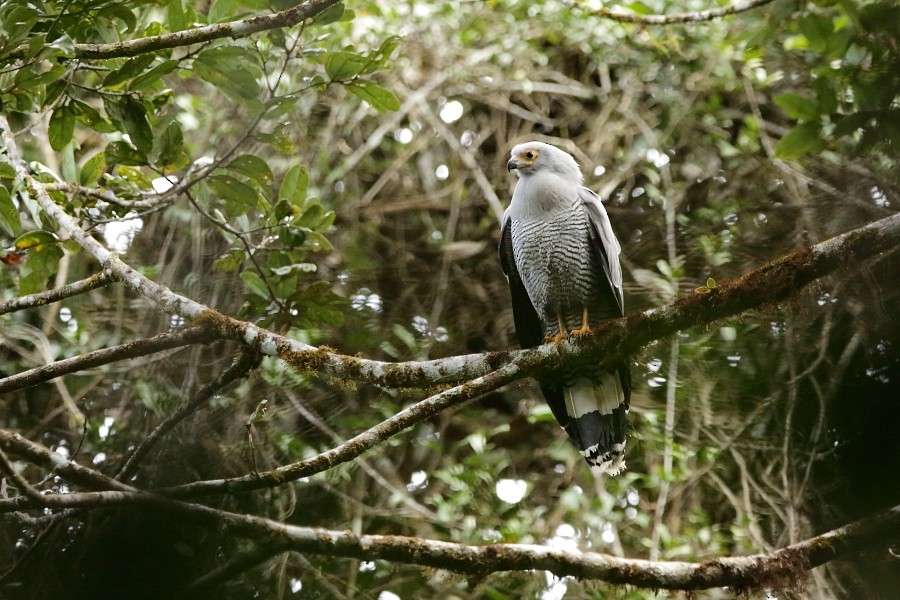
<point>295,268</point>
<point>230,261</point>
<point>175,15</point>
<point>343,65</point>
<point>379,98</point>
<point>36,240</point>
<point>294,185</point>
<point>253,167</point>
<point>92,169</point>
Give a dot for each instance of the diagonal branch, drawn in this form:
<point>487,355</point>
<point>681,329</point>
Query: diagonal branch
<point>187,37</point>
<point>133,349</point>
<point>67,291</point>
<point>355,446</point>
<point>691,17</point>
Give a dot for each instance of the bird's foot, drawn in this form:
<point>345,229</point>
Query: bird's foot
<point>556,339</point>
<point>583,330</point>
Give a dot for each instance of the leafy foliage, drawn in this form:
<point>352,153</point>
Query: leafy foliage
<point>339,182</point>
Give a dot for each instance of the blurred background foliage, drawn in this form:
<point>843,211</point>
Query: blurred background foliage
<point>342,181</point>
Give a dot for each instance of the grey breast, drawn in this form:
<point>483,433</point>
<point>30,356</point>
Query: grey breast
<point>554,261</point>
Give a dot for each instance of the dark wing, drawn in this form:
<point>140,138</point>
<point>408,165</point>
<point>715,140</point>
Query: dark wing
<point>604,242</point>
<point>528,325</point>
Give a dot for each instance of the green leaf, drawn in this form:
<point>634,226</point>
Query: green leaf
<point>121,153</point>
<point>229,262</point>
<point>35,240</point>
<point>67,168</point>
<point>799,141</point>
<point>42,260</point>
<point>9,214</point>
<point>239,197</point>
<point>255,283</point>
<point>92,169</point>
<point>134,115</point>
<point>230,10</point>
<point>330,15</point>
<point>175,14</point>
<point>230,68</point>
<point>818,30</point>
<point>146,80</point>
<point>61,127</point>
<point>129,70</point>
<point>171,151</point>
<point>29,78</point>
<point>640,8</point>
<point>343,65</point>
<point>379,98</point>
<point>253,167</point>
<point>91,117</point>
<point>294,185</point>
<point>798,107</point>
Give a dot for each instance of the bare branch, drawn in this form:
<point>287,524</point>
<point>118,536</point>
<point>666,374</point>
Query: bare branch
<point>67,291</point>
<point>187,37</point>
<point>691,17</point>
<point>133,349</point>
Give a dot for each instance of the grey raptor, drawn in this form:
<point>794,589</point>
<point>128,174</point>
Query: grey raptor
<point>561,259</point>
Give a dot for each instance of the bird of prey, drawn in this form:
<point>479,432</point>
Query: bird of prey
<point>561,260</point>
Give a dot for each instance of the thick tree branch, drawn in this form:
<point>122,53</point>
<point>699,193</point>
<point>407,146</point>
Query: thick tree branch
<point>208,33</point>
<point>133,349</point>
<point>691,17</point>
<point>67,291</point>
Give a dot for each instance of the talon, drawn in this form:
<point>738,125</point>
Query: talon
<point>585,326</point>
<point>556,339</point>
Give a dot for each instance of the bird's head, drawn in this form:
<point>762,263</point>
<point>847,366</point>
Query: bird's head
<point>532,157</point>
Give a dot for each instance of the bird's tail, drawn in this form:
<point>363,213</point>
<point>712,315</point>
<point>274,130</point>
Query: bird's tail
<point>596,419</point>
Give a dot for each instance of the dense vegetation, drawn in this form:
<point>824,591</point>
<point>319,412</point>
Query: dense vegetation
<point>340,182</point>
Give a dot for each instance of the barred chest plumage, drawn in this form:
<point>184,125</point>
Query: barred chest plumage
<point>555,264</point>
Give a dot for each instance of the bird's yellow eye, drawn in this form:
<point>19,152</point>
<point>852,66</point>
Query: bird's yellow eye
<point>530,155</point>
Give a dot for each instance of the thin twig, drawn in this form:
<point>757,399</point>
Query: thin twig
<point>133,349</point>
<point>55,295</point>
<point>691,17</point>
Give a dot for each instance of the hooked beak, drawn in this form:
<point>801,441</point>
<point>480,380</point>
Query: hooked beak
<point>511,165</point>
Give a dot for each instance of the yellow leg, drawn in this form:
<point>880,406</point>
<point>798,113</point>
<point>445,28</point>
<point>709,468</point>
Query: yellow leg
<point>585,326</point>
<point>563,332</point>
